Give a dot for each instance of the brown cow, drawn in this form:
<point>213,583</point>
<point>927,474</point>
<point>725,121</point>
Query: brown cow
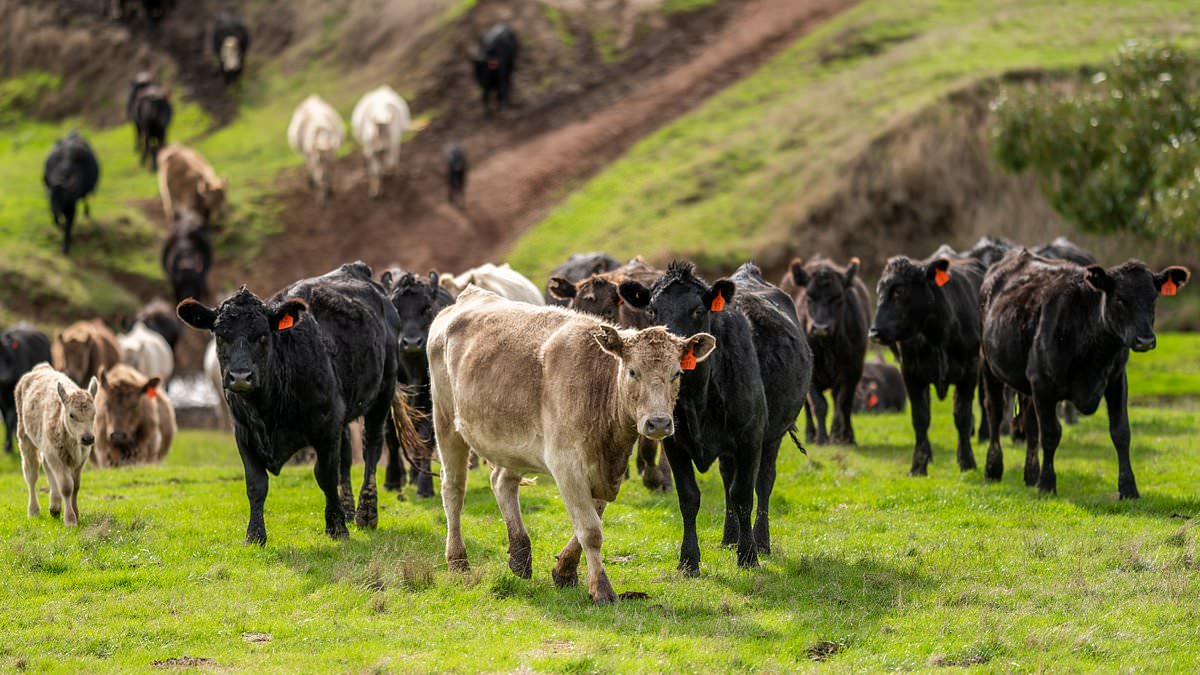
<point>186,181</point>
<point>548,390</point>
<point>83,348</point>
<point>135,422</point>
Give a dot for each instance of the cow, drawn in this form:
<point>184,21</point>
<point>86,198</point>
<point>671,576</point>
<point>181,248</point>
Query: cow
<point>135,421</point>
<point>83,348</point>
<point>55,430</point>
<point>154,10</point>
<point>379,120</point>
<point>187,256</point>
<point>598,295</point>
<point>70,174</point>
<point>146,351</point>
<point>1057,331</point>
<point>297,369</point>
<point>1065,249</point>
<point>990,250</point>
<point>212,371</point>
<point>579,267</point>
<point>230,40</point>
<point>881,388</point>
<point>316,132</point>
<point>928,314</point>
<point>416,301</point>
<point>187,181</point>
<point>456,174</point>
<point>21,348</point>
<point>502,280</point>
<point>159,316</point>
<point>495,61</point>
<point>737,408</point>
<point>547,390</point>
<point>149,108</point>
<point>832,305</point>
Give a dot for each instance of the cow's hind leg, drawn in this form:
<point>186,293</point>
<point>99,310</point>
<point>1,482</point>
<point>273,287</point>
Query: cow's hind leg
<point>689,505</point>
<point>393,476</point>
<point>56,490</point>
<point>843,408</point>
<point>455,454</point>
<point>373,422</point>
<point>326,471</point>
<point>29,465</point>
<point>1050,433</point>
<point>993,400</point>
<point>764,486</point>
<point>505,486</point>
<point>731,531</point>
<point>964,422</point>
<point>1029,430</point>
<point>345,491</point>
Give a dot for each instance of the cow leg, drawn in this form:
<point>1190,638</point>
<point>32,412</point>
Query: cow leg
<point>741,491</point>
<point>55,485</point>
<point>29,466</point>
<point>843,408</point>
<point>764,485</point>
<point>256,493</point>
<point>373,176</point>
<point>68,223</point>
<point>689,505</point>
<point>393,477</point>
<point>964,421</point>
<point>820,412</point>
<point>1051,434</point>
<point>505,486</point>
<point>730,535</point>
<point>589,531</point>
<point>810,426</point>
<point>326,472</point>
<point>66,489</point>
<point>655,477</point>
<point>985,426</point>
<point>373,423</point>
<point>1115,398</point>
<point>10,424</point>
<point>918,397</point>
<point>1029,426</point>
<point>455,453</point>
<point>993,401</point>
<point>422,467</point>
<point>75,476</point>
<point>345,460</point>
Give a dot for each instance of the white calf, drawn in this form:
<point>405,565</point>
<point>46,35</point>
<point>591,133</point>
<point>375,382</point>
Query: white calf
<point>377,122</point>
<point>316,132</point>
<point>147,352</point>
<point>501,280</point>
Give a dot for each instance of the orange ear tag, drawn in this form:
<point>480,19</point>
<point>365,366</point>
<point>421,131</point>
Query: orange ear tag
<point>872,400</point>
<point>688,362</point>
<point>941,277</point>
<point>620,301</point>
<point>152,393</point>
<point>718,303</point>
<point>286,322</point>
<point>1169,287</point>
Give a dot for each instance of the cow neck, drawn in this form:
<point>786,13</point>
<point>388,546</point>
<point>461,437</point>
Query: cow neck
<point>1095,341</point>
<point>940,324</point>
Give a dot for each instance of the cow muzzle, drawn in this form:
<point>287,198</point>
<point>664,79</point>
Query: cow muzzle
<point>87,439</point>
<point>412,345</point>
<point>118,438</point>
<point>240,382</point>
<point>657,428</point>
<point>1144,343</point>
<point>820,330</point>
<point>875,336</point>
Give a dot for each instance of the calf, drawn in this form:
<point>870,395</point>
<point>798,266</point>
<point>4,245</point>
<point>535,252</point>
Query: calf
<point>542,389</point>
<point>147,352</point>
<point>579,267</point>
<point>416,301</point>
<point>316,132</point>
<point>456,175</point>
<point>832,305</point>
<point>230,40</point>
<point>70,175</point>
<point>135,421</point>
<point>55,422</point>
<point>495,61</point>
<point>187,182</point>
<point>929,314</point>
<point>297,370</point>
<point>1056,331</point>
<point>150,110</point>
<point>499,279</point>
<point>378,121</point>
<point>21,348</point>
<point>160,318</point>
<point>736,407</point>
<point>83,348</point>
<point>187,256</point>
<point>881,388</point>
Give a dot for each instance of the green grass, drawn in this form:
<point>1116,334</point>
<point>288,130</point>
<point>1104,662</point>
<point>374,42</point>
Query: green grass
<point>731,178</point>
<point>874,569</point>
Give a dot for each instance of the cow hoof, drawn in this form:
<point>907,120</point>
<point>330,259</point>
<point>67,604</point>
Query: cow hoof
<point>1128,492</point>
<point>564,580</point>
<point>521,564</point>
<point>394,487</point>
<point>1031,475</point>
<point>604,598</point>
<point>748,560</point>
<point>256,537</point>
<point>967,464</point>
<point>917,472</point>
<point>1048,485</point>
<point>338,531</point>
<point>690,568</point>
<point>425,494</point>
<point>633,595</point>
<point>55,513</point>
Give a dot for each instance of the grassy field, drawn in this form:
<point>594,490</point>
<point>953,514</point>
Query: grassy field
<point>871,571</point>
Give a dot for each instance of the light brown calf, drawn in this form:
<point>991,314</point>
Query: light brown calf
<point>135,422</point>
<point>55,430</point>
<point>548,390</point>
<point>83,348</point>
<point>186,181</point>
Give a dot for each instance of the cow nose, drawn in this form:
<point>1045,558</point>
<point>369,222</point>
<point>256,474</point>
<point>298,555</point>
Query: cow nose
<point>87,439</point>
<point>658,428</point>
<point>240,381</point>
<point>820,329</point>
<point>1144,344</point>
<point>873,335</point>
<point>412,344</point>
<point>117,437</point>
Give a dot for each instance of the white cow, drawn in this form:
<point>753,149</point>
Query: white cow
<point>501,280</point>
<point>147,352</point>
<point>377,122</point>
<point>316,132</point>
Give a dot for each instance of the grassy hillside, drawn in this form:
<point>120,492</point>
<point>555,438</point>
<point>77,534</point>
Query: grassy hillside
<point>732,179</point>
<point>872,570</point>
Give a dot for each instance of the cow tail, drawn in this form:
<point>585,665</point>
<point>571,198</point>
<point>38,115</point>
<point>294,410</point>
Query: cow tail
<point>405,418</point>
<point>792,431</point>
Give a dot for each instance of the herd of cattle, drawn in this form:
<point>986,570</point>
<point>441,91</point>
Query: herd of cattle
<point>610,357</point>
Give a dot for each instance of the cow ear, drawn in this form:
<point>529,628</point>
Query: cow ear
<point>288,314</point>
<point>102,374</point>
<point>560,288</point>
<point>609,340</point>
<point>798,274</point>
<point>433,283</point>
<point>150,389</point>
<point>852,271</point>
<point>62,393</point>
<point>634,293</point>
<point>1171,279</point>
<point>700,346</point>
<point>938,271</point>
<point>1098,277</point>
<point>93,387</point>
<point>447,282</point>
<point>719,294</point>
<point>386,280</point>
<point>196,314</point>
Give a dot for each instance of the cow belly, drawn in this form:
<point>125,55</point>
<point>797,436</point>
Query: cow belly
<point>506,445</point>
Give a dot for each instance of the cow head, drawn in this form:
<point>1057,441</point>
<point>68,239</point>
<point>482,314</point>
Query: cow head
<point>212,195</point>
<point>247,332</point>
<point>1128,293</point>
<point>79,412</point>
<point>651,365</point>
<point>124,393</point>
<point>826,289</point>
<point>909,294</point>
<point>595,295</point>
<point>231,55</point>
<point>75,346</point>
<point>680,300</point>
<point>417,301</point>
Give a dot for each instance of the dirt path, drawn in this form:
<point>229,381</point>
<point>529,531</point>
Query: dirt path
<point>521,164</point>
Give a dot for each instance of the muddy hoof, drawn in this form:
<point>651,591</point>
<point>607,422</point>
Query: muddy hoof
<point>256,537</point>
<point>564,580</point>
<point>459,565</point>
<point>521,564</point>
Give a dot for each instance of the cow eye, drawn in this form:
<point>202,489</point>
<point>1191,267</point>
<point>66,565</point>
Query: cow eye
<point>697,313</point>
<point>632,374</point>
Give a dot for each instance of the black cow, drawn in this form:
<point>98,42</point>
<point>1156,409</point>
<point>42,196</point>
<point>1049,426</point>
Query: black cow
<point>21,348</point>
<point>456,174</point>
<point>70,174</point>
<point>1056,331</point>
<point>990,250</point>
<point>735,406</point>
<point>297,369</point>
<point>154,10</point>
<point>833,307</point>
<point>929,314</point>
<point>159,316</point>
<point>495,61</point>
<point>881,388</point>
<point>578,267</point>
<point>1065,249</point>
<point>230,40</point>
<point>187,256</point>
<point>149,108</point>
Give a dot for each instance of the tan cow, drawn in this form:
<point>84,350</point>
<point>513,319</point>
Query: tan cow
<point>135,421</point>
<point>55,429</point>
<point>548,390</point>
<point>83,348</point>
<point>186,181</point>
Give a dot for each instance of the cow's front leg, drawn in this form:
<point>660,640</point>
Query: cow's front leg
<point>741,493</point>
<point>345,461</point>
<point>505,486</point>
<point>993,400</point>
<point>918,397</point>
<point>732,530</point>
<point>820,408</point>
<point>763,487</point>
<point>689,505</point>
<point>843,408</point>
<point>326,472</point>
<point>393,477</point>
<point>577,497</point>
<point>964,403</point>
<point>1050,433</point>
<point>373,423</point>
<point>1115,398</point>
